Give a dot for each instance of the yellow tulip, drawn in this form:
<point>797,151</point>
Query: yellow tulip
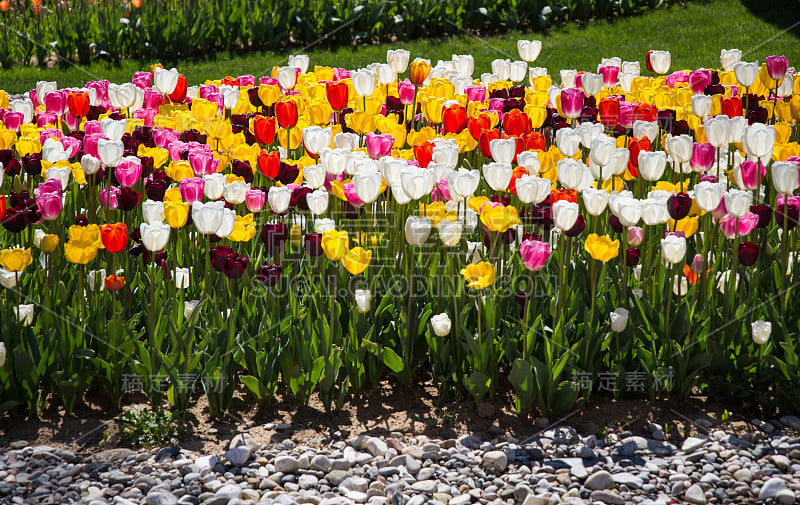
<point>319,112</point>
<point>432,109</point>
<point>297,137</point>
<point>7,138</point>
<point>479,275</point>
<point>159,155</point>
<point>335,244</point>
<point>434,212</point>
<point>361,122</point>
<point>88,236</point>
<point>499,218</point>
<point>78,253</point>
<point>176,213</point>
<point>687,225</point>
<point>15,260</point>
<point>179,170</point>
<point>268,94</point>
<point>48,243</point>
<point>244,229</point>
<point>295,236</point>
<point>356,260</point>
<point>28,145</point>
<point>601,248</point>
<point>476,203</point>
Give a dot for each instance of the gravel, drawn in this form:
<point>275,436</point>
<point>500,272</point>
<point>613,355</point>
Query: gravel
<point>557,466</point>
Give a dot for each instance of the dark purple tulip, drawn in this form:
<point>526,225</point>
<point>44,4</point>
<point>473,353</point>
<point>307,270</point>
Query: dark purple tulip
<point>748,253</point>
<point>15,219</point>
<point>632,256</point>
<point>274,235</point>
<point>128,199</point>
<point>613,222</point>
<point>764,213</point>
<point>679,206</point>
<point>313,243</point>
<point>268,274</point>
<point>577,228</point>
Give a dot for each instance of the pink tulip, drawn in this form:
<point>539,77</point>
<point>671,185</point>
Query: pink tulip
<point>776,67</point>
<point>702,156</point>
<point>148,115</point>
<point>13,120</point>
<point>267,81</point>
<point>163,137</point>
<point>201,162</point>
<point>635,236</point>
<point>496,104</point>
<point>101,91</point>
<point>71,145</point>
<point>405,90</point>
<point>744,225</point>
<point>352,196</point>
<point>721,211</point>
<point>72,121</point>
<point>610,74</point>
<point>246,80</point>
<point>534,254</point>
<point>699,79</point>
<point>128,171</point>
<point>49,186</point>
<point>152,100</point>
<point>205,90</point>
<point>49,204</point>
<point>47,133</point>
<point>142,80</point>
<point>572,102</point>
<point>109,197</point>
<point>90,143</point>
<point>674,78</point>
<point>91,127</point>
<point>191,189</point>
<point>338,73</point>
<point>45,118</point>
<point>749,170</point>
<point>698,265</point>
<point>626,114</point>
<point>34,98</point>
<point>218,99</point>
<point>255,199</point>
<point>475,93</point>
<point>379,146</point>
<point>175,148</point>
<point>55,102</point>
<point>440,191</point>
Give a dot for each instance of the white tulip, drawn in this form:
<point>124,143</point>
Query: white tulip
<point>227,224</point>
<point>567,140</point>
<point>618,320</point>
<point>235,192</point>
<point>565,214</point>
<point>318,201</point>
<point>417,230</point>
<point>503,150</point>
<point>110,152</point>
<point>24,313</point>
<point>589,132</point>
<point>153,211</point>
<point>498,175</point>
<point>629,211</point>
<point>652,164</point>
<point>364,82</point>
<point>367,185</point>
<point>570,173</point>
<point>701,105</point>
<point>680,286</point>
<point>181,277</point>
<point>603,149</point>
<point>758,140</point>
<point>362,297</point>
<point>189,307</point>
<point>728,58</point>
<point>673,249</point>
<point>287,77</point>
<point>654,212</point>
<point>595,200</point>
<point>314,175</point>
<point>441,324</point>
<point>53,151</point>
<point>213,186</point>
<point>450,233</point>
<point>518,69</point>
<point>568,78</point>
<point>679,148</point>
<point>398,60</point>
<point>529,49</point>
<point>737,202</point>
<point>417,182</point>
<point>647,129</point>
<point>300,61</point>
<point>23,106</point>
<point>45,87</point>
<point>463,182</point>
<point>122,96</point>
<point>155,236</point>
<point>207,217</point>
<point>717,130</point>
<point>230,95</point>
<point>591,83</point>
<point>761,331</point>
<point>746,73</point>
<point>324,224</point>
<point>708,195</point>
<point>9,279</point>
<point>315,139</point>
<point>532,189</point>
<point>660,61</point>
<point>786,86</point>
<point>279,199</point>
<point>784,177</point>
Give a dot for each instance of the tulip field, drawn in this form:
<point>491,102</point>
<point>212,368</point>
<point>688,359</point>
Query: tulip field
<point>628,230</point>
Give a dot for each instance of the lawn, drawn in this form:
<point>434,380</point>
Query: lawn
<point>694,34</point>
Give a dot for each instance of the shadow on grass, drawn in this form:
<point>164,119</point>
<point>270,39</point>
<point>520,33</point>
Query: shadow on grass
<point>782,14</point>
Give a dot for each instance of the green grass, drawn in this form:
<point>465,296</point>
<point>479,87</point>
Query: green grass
<point>694,34</point>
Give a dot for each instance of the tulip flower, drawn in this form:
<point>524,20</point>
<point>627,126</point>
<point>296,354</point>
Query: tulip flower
<point>673,249</point>
<point>652,164</point>
<point>729,57</point>
<point>379,146</point>
<point>776,67</point>
<point>441,324</point>
<point>362,297</point>
<point>658,61</point>
<point>748,174</point>
<point>335,244</point>
<point>745,73</point>
<point>761,331</point>
<point>565,214</point>
<point>534,254</point>
<point>748,253</point>
<point>154,236</point>
<point>15,260</point>
<point>758,140</point>
<point>315,139</point>
<point>785,177</point>
<point>618,319</point>
<point>24,313</point>
<point>114,283</point>
<point>207,217</point>
<point>114,237</point>
<point>708,195</point>
<point>737,202</point>
<point>572,102</point>
<point>601,248</point>
<point>529,49</point>
<point>2,354</point>
<point>286,112</point>
<point>568,141</point>
<point>531,189</point>
<point>417,230</point>
<point>479,276</point>
<point>356,260</point>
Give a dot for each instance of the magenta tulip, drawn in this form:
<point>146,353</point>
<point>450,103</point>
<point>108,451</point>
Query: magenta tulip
<point>13,120</point>
<point>191,189</point>
<point>776,67</point>
<point>45,118</point>
<point>255,199</point>
<point>534,254</point>
<point>129,171</point>
<point>406,91</point>
<point>56,102</point>
<point>674,78</point>
<point>475,93</point>
<point>742,226</point>
<point>50,205</point>
<point>749,171</point>
<point>699,79</point>
<point>379,146</point>
<point>352,196</point>
<point>572,102</point>
<point>201,162</point>
<point>152,100</point>
<point>90,144</point>
<point>702,156</point>
<point>142,80</point>
<point>109,197</point>
<point>610,74</point>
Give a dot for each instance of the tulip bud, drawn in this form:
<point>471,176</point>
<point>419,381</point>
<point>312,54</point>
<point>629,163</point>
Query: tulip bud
<point>761,331</point>
<point>441,324</point>
<point>635,235</point>
<point>618,320</point>
<point>362,297</point>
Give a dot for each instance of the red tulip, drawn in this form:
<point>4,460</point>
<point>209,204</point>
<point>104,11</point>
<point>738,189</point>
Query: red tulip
<point>114,237</point>
<point>178,95</point>
<point>609,112</point>
<point>424,153</point>
<point>114,283</point>
<point>454,118</point>
<point>486,137</point>
<point>337,94</point>
<point>78,103</point>
<point>269,163</point>
<point>264,129</point>
<point>516,123</point>
<point>645,112</point>
<point>635,146</point>
<point>534,141</point>
<point>732,107</point>
<point>478,125</point>
<point>286,112</point>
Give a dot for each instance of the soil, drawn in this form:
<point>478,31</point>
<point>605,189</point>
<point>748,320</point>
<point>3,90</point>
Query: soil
<point>390,409</point>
